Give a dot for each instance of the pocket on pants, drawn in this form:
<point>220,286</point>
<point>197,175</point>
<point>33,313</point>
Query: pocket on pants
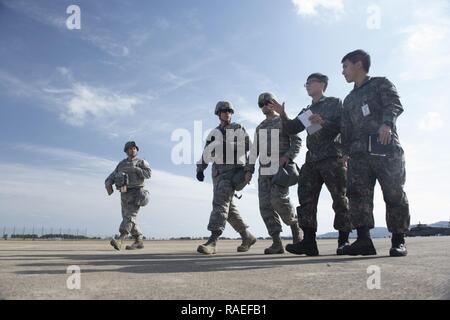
<point>142,198</point>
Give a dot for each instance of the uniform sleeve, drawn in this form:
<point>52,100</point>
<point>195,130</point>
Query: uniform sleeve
<point>346,132</point>
<point>332,124</point>
<point>202,164</point>
<point>390,100</point>
<point>293,126</point>
<point>110,180</point>
<point>295,145</point>
<point>144,170</point>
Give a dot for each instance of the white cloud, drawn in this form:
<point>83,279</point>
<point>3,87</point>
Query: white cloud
<point>88,101</point>
<point>16,86</point>
<point>424,51</point>
<point>77,102</point>
<point>107,44</point>
<point>51,17</point>
<point>431,121</point>
<point>312,7</point>
<point>78,160</point>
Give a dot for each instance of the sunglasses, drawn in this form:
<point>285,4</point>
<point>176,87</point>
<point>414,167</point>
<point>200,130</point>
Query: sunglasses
<point>264,103</point>
<point>226,111</point>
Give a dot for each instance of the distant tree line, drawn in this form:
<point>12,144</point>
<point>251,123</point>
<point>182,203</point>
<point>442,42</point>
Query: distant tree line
<point>50,236</point>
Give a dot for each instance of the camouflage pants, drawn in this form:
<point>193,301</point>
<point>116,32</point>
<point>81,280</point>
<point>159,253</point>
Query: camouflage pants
<point>274,203</point>
<point>129,213</point>
<point>390,172</point>
<point>313,175</point>
<point>223,207</point>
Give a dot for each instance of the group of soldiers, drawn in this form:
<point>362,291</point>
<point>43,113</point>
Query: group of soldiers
<point>351,145</point>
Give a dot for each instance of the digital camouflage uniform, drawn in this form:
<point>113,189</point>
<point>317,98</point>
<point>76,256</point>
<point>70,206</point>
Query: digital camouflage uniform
<point>137,170</point>
<point>384,105</point>
<point>323,164</point>
<point>224,208</point>
<point>274,199</point>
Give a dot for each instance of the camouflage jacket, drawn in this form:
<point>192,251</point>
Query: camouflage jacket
<point>288,145</point>
<point>325,143</point>
<point>136,169</point>
<point>384,106</point>
<point>232,147</point>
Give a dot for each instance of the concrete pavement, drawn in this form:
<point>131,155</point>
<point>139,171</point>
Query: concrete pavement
<point>173,270</point>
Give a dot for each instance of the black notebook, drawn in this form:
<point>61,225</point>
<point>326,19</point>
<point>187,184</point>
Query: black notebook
<point>375,148</point>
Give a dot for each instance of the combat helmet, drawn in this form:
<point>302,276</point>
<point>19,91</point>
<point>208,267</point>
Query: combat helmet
<point>265,98</point>
<point>130,144</point>
<point>223,105</point>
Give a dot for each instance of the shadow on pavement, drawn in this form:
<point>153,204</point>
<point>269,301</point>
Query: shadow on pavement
<point>175,263</point>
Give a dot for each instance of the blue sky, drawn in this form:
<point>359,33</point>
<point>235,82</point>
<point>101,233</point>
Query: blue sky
<point>139,70</point>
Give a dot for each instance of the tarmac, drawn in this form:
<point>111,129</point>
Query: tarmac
<point>172,270</point>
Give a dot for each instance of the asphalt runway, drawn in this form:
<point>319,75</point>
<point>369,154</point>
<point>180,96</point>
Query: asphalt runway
<point>173,270</point>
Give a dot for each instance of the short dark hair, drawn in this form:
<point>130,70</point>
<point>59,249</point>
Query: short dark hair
<point>319,76</point>
<point>357,56</point>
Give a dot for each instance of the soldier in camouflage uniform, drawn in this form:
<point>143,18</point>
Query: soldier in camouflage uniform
<point>274,199</point>
<point>133,195</point>
<point>371,109</point>
<point>324,164</point>
<point>226,162</point>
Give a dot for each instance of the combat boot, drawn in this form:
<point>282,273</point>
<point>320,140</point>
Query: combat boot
<point>297,233</point>
<point>247,241</point>
<point>117,244</point>
<point>210,246</point>
<point>398,248</point>
<point>307,246</point>
<point>363,246</point>
<point>342,242</point>
<point>276,247</point>
<point>137,244</point>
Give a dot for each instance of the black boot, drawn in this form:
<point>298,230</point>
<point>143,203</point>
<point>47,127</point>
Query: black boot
<point>398,248</point>
<point>307,246</point>
<point>342,242</point>
<point>363,246</point>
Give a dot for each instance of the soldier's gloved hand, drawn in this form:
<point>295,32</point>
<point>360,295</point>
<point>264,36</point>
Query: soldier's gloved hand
<point>200,176</point>
<point>109,189</point>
